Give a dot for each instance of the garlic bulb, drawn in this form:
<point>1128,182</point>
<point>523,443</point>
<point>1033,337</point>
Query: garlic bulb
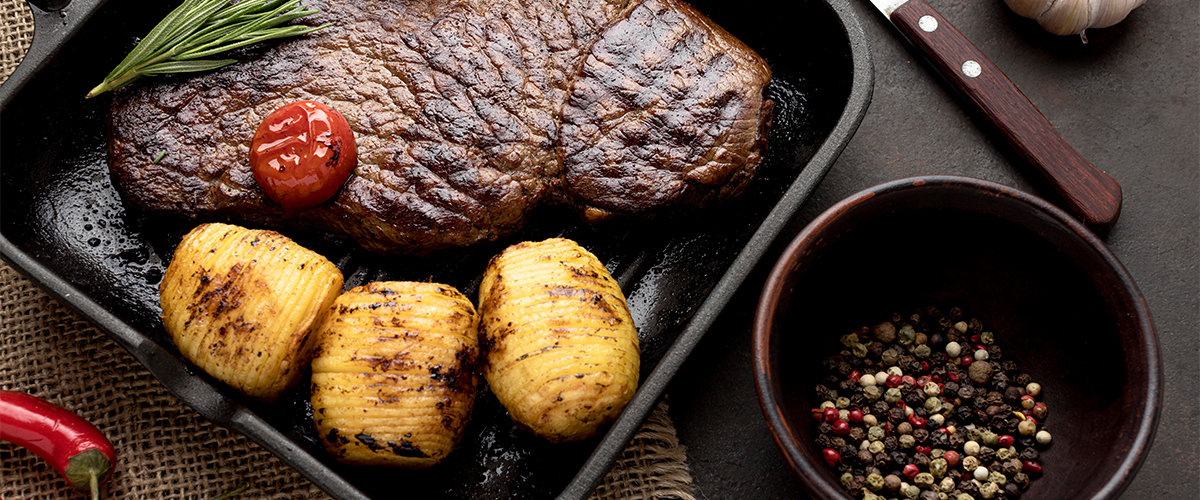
<point>1071,17</point>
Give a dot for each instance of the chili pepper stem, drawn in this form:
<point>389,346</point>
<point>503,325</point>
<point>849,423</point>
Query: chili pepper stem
<point>94,484</point>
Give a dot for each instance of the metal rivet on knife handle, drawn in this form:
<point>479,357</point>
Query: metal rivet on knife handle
<point>971,68</point>
<point>928,23</point>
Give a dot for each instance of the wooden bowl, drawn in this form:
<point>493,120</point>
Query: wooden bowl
<point>1060,303</point>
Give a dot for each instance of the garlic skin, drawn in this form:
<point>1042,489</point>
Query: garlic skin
<point>1072,17</point>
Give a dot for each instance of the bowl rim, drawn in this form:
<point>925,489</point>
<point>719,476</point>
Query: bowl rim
<point>769,301</point>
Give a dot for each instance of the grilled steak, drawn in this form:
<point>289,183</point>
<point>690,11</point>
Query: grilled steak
<point>467,115</point>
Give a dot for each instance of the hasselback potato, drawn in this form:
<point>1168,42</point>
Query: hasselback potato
<point>393,379</point>
<point>561,350</point>
<point>241,304</point>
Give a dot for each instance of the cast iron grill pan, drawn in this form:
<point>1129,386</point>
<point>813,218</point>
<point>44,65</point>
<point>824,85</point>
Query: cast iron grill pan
<point>64,224</point>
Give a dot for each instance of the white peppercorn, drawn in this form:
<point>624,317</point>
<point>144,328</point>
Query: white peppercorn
<point>981,473</point>
<point>953,349</point>
<point>1043,438</point>
<point>981,354</point>
<point>1027,428</point>
<point>961,326</point>
<point>895,370</point>
<point>971,448</point>
<point>1033,389</point>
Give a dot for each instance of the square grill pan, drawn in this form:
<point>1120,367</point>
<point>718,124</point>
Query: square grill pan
<point>63,224</point>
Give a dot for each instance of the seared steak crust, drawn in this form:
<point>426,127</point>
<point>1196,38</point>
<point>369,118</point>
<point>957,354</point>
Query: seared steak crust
<point>467,115</point>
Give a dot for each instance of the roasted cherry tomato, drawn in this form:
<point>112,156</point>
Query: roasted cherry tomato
<point>302,153</point>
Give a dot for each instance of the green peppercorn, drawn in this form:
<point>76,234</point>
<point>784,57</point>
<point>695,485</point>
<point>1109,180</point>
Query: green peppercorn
<point>1005,453</point>
<point>825,404</point>
<point>875,446</point>
<point>933,405</point>
<point>859,350</point>
<point>875,482</point>
<point>970,463</point>
<point>876,433</point>
<point>990,438</point>
<point>964,496</point>
<point>849,340</point>
<point>907,441</point>
<point>871,496</point>
<point>987,337</point>
<point>912,491</point>
<point>922,351</point>
<point>947,485</point>
<point>989,490</point>
<point>846,479</point>
<point>892,395</point>
<point>937,453</point>
<point>889,357</point>
<point>997,477</point>
<point>1027,428</point>
<point>872,392</point>
<point>938,467</point>
<point>924,480</point>
<point>907,335</point>
<point>842,403</point>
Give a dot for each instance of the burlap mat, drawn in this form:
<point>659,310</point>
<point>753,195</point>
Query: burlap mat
<point>165,449</point>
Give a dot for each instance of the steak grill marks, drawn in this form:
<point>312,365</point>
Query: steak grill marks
<point>467,116</point>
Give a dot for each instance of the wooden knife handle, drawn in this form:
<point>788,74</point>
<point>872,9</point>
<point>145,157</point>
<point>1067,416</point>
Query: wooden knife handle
<point>1088,192</point>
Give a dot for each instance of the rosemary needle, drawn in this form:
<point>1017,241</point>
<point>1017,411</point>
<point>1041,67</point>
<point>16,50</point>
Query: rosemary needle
<point>201,28</point>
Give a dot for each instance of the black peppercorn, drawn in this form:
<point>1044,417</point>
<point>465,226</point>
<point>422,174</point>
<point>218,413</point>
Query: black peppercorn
<point>921,435</point>
<point>928,495</point>
<point>1009,365</point>
<point>965,392</point>
<point>1020,479</point>
<point>921,460</point>
<point>1029,454</point>
<point>898,457</point>
<point>968,487</point>
<point>845,386</point>
<point>1023,379</point>
<point>857,434</point>
<point>914,398</point>
<point>950,387</point>
<point>882,460</point>
<point>974,326</point>
<point>824,428</point>
<point>890,443</point>
<point>1004,423</point>
<point>880,408</point>
<point>1013,392</point>
<point>896,415</point>
<point>1012,490</point>
<point>986,454</point>
<point>858,400</point>
<point>837,442</point>
<point>957,439</point>
<point>865,457</point>
<point>939,439</point>
<point>1026,442</point>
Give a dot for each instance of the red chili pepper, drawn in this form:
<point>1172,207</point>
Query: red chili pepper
<point>74,447</point>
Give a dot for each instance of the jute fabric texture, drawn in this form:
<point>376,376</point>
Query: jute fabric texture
<point>165,449</point>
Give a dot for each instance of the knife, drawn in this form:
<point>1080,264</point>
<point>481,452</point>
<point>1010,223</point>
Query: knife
<point>1087,192</point>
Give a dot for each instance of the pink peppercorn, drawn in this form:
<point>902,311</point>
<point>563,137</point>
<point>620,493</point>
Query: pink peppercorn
<point>910,471</point>
<point>923,449</point>
<point>1031,467</point>
<point>1006,440</point>
<point>855,415</point>
<point>841,427</point>
<point>916,421</point>
<point>967,360</point>
<point>855,375</point>
<point>951,458</point>
<point>894,381</point>
<point>908,379</point>
<point>831,414</point>
<point>832,457</point>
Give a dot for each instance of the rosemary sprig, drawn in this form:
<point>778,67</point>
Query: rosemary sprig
<point>202,28</point>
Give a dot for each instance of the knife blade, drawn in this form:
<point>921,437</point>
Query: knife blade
<point>1087,192</point>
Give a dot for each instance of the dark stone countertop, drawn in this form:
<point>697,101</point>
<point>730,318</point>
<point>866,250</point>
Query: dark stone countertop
<point>1127,100</point>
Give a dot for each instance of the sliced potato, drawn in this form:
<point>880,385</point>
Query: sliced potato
<point>241,304</point>
<point>393,378</point>
<point>561,350</point>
